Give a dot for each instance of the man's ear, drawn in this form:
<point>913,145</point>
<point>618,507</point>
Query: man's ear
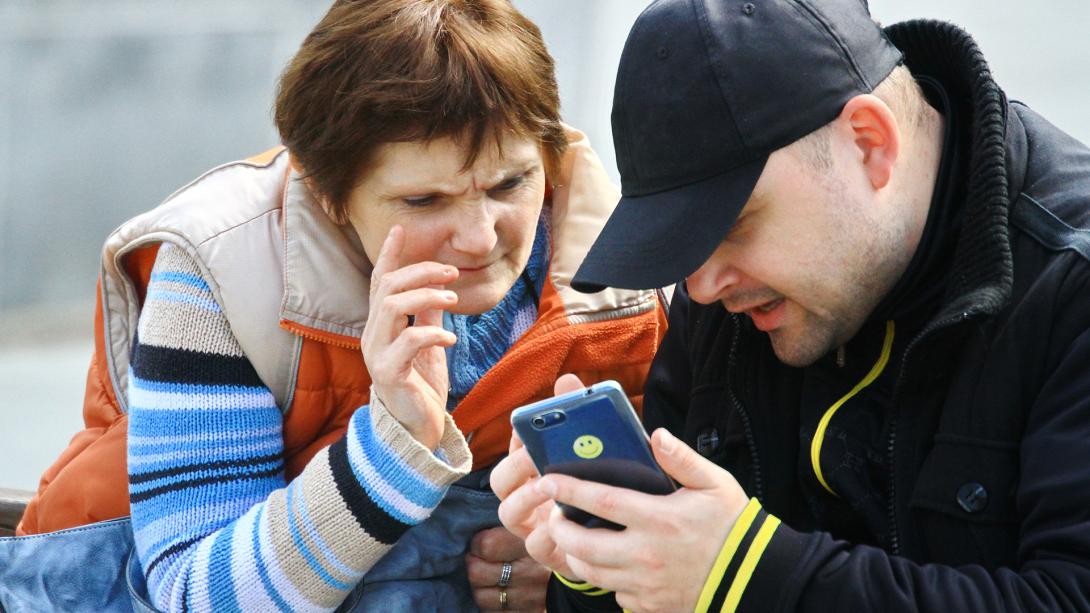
<point>876,135</point>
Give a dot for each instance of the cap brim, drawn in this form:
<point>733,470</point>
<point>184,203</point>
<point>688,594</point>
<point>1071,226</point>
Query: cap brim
<point>659,239</point>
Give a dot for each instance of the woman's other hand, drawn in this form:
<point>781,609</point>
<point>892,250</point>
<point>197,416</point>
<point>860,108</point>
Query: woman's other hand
<point>408,363</point>
<point>526,582</point>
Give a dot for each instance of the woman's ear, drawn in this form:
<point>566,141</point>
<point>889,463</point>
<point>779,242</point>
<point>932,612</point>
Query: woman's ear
<point>874,131</point>
<point>339,215</point>
<point>335,214</point>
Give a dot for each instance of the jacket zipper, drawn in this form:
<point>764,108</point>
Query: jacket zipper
<point>758,483</point>
<point>891,503</point>
<point>314,335</point>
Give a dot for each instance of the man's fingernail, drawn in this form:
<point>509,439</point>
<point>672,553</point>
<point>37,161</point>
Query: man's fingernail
<point>667,442</point>
<point>547,487</point>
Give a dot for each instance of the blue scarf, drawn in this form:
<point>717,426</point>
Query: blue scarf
<point>484,338</point>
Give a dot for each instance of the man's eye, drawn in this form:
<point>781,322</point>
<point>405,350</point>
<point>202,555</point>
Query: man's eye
<point>419,200</point>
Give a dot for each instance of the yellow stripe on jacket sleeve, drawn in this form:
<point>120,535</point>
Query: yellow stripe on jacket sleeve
<point>726,554</point>
<point>749,564</point>
<point>584,588</point>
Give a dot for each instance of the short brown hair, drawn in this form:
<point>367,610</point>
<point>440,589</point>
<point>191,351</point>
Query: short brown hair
<point>900,92</point>
<point>380,71</point>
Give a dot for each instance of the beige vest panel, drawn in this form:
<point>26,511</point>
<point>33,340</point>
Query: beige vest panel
<point>230,221</point>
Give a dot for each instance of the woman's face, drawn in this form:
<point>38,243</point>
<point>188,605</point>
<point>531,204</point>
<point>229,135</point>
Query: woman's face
<point>480,219</point>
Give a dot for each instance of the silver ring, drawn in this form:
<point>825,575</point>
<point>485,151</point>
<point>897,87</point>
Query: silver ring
<point>503,600</point>
<point>505,577</point>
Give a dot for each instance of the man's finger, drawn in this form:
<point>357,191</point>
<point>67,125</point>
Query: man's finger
<point>599,576</point>
<point>515,444</point>
<point>518,509</point>
<point>567,383</point>
<point>512,472</point>
<point>684,464</point>
<point>540,545</point>
<point>497,545</point>
<point>617,504</point>
<point>607,548</point>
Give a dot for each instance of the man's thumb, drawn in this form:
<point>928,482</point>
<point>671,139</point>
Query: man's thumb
<point>567,383</point>
<point>684,464</point>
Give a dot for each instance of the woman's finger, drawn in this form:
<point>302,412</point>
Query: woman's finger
<point>412,276</point>
<point>388,257</point>
<point>526,598</point>
<point>524,571</point>
<point>391,316</point>
<point>497,545</point>
<point>396,361</point>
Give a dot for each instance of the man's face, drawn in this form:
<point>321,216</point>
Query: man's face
<point>809,257</point>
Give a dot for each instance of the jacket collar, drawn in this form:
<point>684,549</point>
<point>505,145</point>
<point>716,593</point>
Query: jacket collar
<point>981,276</point>
<point>327,275</point>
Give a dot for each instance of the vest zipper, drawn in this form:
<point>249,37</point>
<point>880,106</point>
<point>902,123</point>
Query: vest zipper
<point>328,338</point>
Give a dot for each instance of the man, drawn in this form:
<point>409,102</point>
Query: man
<point>882,345</point>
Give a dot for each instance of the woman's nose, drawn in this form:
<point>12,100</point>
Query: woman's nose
<point>475,231</point>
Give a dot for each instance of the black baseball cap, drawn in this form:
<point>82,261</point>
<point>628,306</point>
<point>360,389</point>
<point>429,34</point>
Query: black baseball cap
<point>706,90</point>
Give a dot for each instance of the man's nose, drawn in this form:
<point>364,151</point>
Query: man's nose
<point>710,281</point>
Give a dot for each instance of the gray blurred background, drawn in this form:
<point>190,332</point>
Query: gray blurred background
<point>107,106</point>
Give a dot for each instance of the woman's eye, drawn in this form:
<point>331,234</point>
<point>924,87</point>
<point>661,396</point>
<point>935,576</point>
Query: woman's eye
<point>509,184</point>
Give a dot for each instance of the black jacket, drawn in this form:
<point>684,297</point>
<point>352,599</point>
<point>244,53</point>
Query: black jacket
<point>988,433</point>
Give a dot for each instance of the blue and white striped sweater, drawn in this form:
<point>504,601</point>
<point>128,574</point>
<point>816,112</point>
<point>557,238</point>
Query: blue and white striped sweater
<point>216,525</point>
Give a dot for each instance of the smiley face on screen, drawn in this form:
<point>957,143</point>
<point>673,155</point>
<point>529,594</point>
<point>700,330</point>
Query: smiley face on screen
<point>587,447</point>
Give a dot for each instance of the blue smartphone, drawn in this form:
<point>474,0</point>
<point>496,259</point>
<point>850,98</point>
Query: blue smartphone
<point>591,434</point>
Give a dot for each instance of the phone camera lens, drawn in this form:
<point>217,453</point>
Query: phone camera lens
<point>538,422</point>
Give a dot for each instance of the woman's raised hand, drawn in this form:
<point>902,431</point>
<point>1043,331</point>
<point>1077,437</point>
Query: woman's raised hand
<point>408,364</point>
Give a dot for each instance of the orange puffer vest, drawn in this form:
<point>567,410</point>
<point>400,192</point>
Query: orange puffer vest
<point>293,286</point>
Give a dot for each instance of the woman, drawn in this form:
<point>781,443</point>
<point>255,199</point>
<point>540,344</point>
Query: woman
<point>314,353</point>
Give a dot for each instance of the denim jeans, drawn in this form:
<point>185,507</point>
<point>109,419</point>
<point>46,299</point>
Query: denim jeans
<point>75,570</point>
<point>95,569</point>
<point>425,570</point>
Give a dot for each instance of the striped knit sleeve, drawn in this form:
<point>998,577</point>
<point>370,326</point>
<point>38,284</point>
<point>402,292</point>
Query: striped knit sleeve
<point>216,525</point>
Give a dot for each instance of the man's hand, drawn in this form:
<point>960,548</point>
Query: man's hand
<point>525,509</point>
<point>662,559</point>
<point>488,551</point>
